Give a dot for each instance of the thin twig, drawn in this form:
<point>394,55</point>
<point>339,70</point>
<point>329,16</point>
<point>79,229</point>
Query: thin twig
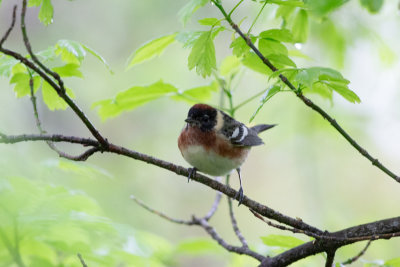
<point>359,255</point>
<point>214,207</point>
<point>307,101</point>
<point>158,213</point>
<point>202,222</point>
<point>239,250</point>
<point>82,260</point>
<point>235,226</point>
<point>7,33</point>
<point>82,157</point>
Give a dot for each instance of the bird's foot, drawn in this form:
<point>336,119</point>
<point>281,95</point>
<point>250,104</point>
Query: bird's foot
<point>192,173</point>
<point>239,196</point>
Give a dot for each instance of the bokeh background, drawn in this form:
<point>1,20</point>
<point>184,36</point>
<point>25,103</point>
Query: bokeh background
<point>305,169</point>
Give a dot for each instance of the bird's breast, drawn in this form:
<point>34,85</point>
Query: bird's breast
<point>210,152</point>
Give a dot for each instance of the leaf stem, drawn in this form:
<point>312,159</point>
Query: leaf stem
<point>234,8</point>
<point>258,15</point>
<point>250,99</point>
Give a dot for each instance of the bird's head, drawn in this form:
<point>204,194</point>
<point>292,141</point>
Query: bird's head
<point>202,116</point>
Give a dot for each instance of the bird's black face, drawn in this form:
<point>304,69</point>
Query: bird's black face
<point>202,116</point>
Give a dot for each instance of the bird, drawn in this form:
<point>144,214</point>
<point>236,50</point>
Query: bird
<point>214,143</point>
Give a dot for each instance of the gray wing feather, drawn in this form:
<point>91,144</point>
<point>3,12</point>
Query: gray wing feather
<point>240,135</point>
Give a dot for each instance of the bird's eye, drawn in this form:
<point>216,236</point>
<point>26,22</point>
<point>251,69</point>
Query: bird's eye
<point>206,118</point>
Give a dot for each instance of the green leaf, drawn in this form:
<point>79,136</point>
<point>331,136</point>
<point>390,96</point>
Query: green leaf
<point>199,247</point>
<point>133,98</point>
<point>229,65</point>
<point>210,22</point>
<point>252,61</point>
<point>71,52</point>
<point>69,70</point>
<point>322,8</point>
<point>188,10</point>
<point>52,99</point>
<point>373,6</point>
<point>202,56</point>
<point>188,38</point>
<point>46,12</point>
<point>281,35</point>
<point>240,47</point>
<point>266,96</point>
<point>6,65</point>
<point>393,263</point>
<point>269,46</point>
<point>281,241</point>
<point>21,81</point>
<point>34,3</point>
<point>321,80</point>
<point>151,49</point>
<point>281,61</point>
<point>98,56</point>
<point>300,27</point>
<point>290,3</point>
<point>197,94</point>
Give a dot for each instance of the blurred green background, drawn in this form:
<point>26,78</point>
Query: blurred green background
<point>305,169</point>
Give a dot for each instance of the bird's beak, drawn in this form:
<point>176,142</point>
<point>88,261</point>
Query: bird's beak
<point>189,120</point>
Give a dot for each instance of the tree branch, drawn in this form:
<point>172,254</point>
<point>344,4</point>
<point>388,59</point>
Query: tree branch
<point>359,255</point>
<point>305,100</point>
<point>235,226</point>
<point>202,222</point>
<point>7,33</point>
<point>82,260</point>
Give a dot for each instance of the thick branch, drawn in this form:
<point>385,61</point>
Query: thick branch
<point>305,100</point>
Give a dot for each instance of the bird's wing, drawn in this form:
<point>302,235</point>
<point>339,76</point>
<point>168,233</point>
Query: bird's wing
<point>239,134</point>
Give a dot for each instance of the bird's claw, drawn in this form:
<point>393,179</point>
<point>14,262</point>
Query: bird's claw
<point>239,196</point>
<point>192,173</point>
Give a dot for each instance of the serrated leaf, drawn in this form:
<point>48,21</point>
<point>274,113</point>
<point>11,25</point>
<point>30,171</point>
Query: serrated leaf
<point>281,35</point>
<point>187,11</point>
<point>98,56</point>
<point>300,27</point>
<point>202,56</point>
<point>71,52</point>
<point>229,65</point>
<point>266,96</point>
<point>52,99</point>
<point>133,98</point>
<point>269,46</point>
<point>69,70</point>
<point>21,84</point>
<point>373,6</point>
<point>326,79</point>
<point>281,241</point>
<point>188,38</point>
<point>151,49</point>
<point>197,94</point>
<point>46,12</point>
<point>252,61</point>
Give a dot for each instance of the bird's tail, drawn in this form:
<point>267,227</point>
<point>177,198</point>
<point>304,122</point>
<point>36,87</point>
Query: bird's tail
<point>262,127</point>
